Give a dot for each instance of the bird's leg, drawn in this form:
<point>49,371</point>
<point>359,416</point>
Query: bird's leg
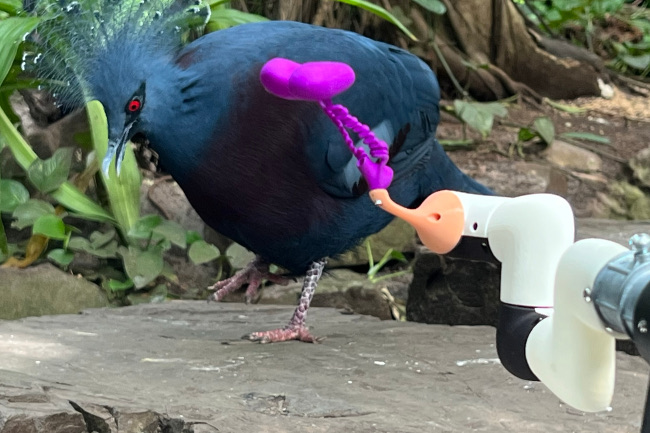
<point>296,329</point>
<point>252,274</point>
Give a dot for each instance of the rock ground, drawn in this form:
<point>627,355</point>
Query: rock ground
<point>142,368</point>
<point>181,367</point>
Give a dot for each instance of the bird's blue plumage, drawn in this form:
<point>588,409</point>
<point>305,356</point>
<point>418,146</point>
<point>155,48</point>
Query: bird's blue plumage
<point>275,175</point>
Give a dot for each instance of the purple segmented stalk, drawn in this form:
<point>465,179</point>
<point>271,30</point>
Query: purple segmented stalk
<point>343,119</point>
<point>359,153</point>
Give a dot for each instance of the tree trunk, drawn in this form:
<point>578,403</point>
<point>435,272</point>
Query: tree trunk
<point>507,59</point>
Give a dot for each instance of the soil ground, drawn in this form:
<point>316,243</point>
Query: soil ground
<point>624,119</point>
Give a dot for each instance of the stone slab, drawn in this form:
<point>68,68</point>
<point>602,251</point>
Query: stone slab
<point>185,361</point>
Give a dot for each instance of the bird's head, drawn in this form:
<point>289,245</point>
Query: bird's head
<point>125,89</point>
<point>122,127</point>
<point>111,51</point>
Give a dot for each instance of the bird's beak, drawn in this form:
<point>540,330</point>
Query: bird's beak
<point>116,146</point>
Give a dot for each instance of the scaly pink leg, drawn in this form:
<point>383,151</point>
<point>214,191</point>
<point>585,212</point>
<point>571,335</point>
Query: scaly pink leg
<point>296,329</point>
<point>252,274</point>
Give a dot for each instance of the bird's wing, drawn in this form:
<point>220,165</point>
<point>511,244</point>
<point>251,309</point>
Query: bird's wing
<point>395,94</point>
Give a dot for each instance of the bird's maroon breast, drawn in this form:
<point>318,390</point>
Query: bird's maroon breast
<point>254,178</point>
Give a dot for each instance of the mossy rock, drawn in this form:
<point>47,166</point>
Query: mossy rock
<point>45,290</point>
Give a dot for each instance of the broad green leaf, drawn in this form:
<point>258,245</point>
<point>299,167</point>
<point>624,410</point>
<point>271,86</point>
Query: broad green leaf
<point>173,232</point>
<point>192,236</point>
<point>61,257</point>
<point>13,7</point>
<point>217,3</point>
<point>474,118</point>
<point>12,249</point>
<point>84,140</point>
<point>526,134</point>
<point>168,273</point>
<point>586,136</point>
<point>224,18</point>
<point>239,256</point>
<point>99,239</point>
<point>78,243</point>
<point>202,252</point>
<point>142,267</point>
<point>12,194</point>
<point>26,213</point>
<point>107,251</point>
<point>78,202</point>
<point>5,105</point>
<point>21,151</point>
<point>12,31</point>
<point>479,116</point>
<point>123,191</point>
<point>545,128</point>
<point>495,108</point>
<point>143,227</point>
<point>50,226</point>
<point>380,12</point>
<point>66,194</point>
<point>160,241</point>
<point>435,6</point>
<point>119,286</point>
<point>49,174</point>
<point>637,62</point>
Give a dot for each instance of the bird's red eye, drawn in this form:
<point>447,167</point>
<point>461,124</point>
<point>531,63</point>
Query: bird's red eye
<point>134,105</point>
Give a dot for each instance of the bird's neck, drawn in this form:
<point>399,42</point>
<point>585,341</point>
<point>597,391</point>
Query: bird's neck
<point>184,121</point>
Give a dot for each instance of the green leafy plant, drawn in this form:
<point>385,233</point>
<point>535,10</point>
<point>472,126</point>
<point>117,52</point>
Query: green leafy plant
<point>587,136</point>
<point>435,6</point>
<point>380,12</point>
<point>223,16</point>
<point>541,128</point>
<point>57,199</point>
<point>478,115</point>
<point>583,20</point>
<point>375,268</point>
<point>132,247</point>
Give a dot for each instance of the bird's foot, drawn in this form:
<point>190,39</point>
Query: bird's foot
<point>300,333</point>
<point>252,274</point>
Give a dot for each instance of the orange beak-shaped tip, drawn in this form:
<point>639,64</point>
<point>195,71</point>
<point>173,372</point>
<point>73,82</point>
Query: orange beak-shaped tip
<point>439,220</point>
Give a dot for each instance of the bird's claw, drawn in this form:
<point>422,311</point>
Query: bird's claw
<point>283,334</point>
<point>252,274</point>
<point>229,285</point>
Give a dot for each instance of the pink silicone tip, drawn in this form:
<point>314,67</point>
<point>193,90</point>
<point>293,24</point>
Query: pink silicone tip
<point>313,81</point>
<point>317,81</point>
<point>377,174</point>
<point>275,76</point>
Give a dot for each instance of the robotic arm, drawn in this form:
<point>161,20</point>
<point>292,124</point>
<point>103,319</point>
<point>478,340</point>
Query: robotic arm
<point>563,304</point>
